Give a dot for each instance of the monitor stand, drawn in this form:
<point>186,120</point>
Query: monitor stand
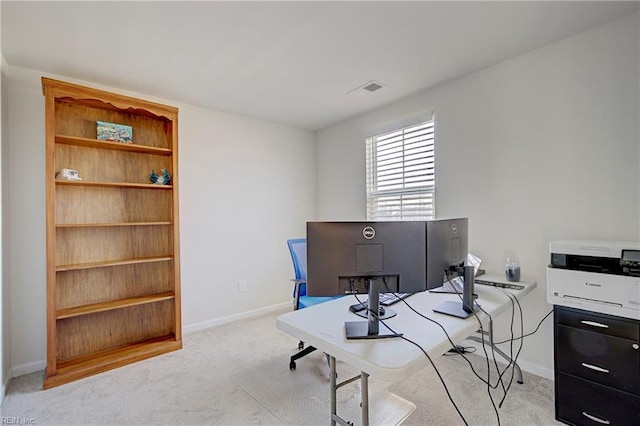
<point>465,308</point>
<point>370,329</point>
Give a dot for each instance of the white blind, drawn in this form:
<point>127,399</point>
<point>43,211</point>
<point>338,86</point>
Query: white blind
<point>401,174</point>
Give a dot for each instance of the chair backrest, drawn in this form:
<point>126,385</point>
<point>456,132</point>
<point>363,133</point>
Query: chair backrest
<point>298,249</point>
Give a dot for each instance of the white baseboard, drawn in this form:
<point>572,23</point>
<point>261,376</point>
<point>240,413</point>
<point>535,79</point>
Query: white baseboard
<point>5,385</point>
<point>235,317</point>
<point>536,369</point>
<point>28,368</point>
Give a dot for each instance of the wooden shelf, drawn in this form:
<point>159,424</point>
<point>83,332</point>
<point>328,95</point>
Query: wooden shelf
<point>99,362</point>
<point>95,143</point>
<point>112,238</point>
<point>109,263</point>
<point>112,184</point>
<point>114,304</point>
<point>98,225</point>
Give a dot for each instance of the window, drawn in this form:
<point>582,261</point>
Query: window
<point>401,175</point>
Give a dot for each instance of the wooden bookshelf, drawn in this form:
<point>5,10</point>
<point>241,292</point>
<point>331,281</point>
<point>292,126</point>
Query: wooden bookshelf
<point>113,274</point>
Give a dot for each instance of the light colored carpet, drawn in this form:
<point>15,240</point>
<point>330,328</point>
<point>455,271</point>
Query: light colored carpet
<point>531,403</point>
<point>302,396</point>
<point>208,383</point>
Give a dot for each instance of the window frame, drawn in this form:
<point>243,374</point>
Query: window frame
<point>406,186</point>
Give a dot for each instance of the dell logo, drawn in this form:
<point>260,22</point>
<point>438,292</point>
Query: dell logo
<point>368,232</point>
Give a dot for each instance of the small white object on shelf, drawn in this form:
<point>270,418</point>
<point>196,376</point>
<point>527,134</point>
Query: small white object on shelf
<point>68,174</point>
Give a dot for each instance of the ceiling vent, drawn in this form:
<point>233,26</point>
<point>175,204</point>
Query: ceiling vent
<point>370,86</point>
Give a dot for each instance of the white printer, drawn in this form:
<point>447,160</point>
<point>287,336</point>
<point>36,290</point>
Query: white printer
<point>600,276</point>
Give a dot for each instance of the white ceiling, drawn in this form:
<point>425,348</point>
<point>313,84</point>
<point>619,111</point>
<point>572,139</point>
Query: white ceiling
<point>288,62</point>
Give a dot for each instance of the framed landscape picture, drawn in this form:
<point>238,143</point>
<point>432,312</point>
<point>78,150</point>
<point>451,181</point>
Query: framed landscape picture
<point>113,132</point>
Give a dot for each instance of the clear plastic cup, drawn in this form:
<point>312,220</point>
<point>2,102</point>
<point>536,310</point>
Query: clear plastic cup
<point>512,269</point>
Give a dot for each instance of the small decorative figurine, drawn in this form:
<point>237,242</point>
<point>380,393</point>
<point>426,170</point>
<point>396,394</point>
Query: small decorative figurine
<point>163,179</point>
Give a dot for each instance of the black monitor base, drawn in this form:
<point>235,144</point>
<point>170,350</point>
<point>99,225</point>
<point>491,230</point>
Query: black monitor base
<point>358,330</point>
<point>454,309</point>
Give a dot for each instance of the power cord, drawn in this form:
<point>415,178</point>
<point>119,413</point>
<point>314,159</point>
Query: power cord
<point>512,359</point>
<point>528,334</point>
<point>456,349</point>
<point>444,385</point>
<point>444,331</point>
<point>460,350</point>
<point>484,348</point>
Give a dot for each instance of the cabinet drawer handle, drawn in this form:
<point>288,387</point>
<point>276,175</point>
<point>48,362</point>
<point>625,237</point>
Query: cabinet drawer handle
<point>593,367</point>
<point>596,419</point>
<point>595,324</point>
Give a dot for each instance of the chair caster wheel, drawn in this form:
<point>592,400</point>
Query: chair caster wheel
<point>292,365</point>
<point>300,346</point>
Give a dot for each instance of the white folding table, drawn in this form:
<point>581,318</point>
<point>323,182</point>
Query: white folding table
<point>392,359</point>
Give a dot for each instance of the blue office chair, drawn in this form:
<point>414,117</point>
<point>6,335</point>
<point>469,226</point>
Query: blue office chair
<point>298,249</point>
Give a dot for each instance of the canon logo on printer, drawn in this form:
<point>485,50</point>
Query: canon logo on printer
<point>593,285</point>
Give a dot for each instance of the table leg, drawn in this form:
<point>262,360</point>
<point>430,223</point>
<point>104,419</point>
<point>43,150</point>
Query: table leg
<point>332,378</point>
<point>364,384</point>
<point>515,365</point>
<point>364,404</point>
<point>519,377</point>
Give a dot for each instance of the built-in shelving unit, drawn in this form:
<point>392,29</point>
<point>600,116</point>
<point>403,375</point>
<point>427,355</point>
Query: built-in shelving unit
<point>113,276</point>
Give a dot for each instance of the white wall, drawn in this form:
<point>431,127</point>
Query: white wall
<point>245,187</point>
<point>4,367</point>
<point>540,147</point>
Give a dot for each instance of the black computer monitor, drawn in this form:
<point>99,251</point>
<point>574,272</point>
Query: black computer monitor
<point>373,257</point>
<point>342,256</point>
<point>412,255</point>
<point>447,249</point>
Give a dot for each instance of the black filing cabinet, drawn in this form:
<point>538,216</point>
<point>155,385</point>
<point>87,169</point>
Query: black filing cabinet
<point>597,368</point>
